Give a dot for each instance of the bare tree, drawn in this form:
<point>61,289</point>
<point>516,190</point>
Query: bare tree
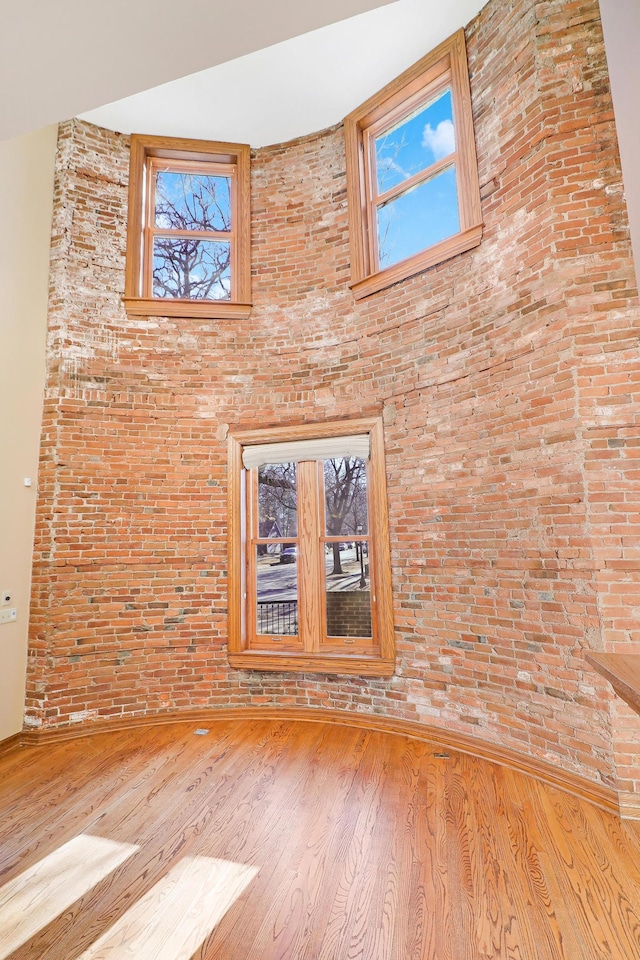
<point>192,268</point>
<point>345,500</point>
<point>277,499</point>
<point>345,491</point>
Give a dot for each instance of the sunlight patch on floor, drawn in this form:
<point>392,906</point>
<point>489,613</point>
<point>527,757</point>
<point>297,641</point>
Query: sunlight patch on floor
<point>177,914</point>
<point>40,893</point>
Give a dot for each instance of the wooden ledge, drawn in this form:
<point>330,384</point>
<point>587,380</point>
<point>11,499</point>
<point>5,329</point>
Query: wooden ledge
<point>432,257</point>
<point>276,661</point>
<point>622,670</point>
<point>190,309</point>
<point>599,794</point>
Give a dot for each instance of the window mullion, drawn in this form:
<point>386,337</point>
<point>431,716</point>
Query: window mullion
<point>226,236</point>
<point>371,201</point>
<point>234,251</point>
<point>252,526</point>
<point>428,173</point>
<point>147,244</point>
<point>309,571</point>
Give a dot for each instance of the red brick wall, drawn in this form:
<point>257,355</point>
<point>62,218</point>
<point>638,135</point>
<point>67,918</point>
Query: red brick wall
<point>348,613</point>
<point>509,386</point>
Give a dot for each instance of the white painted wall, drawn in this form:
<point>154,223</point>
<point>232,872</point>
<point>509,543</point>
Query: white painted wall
<point>621,28</point>
<point>26,203</point>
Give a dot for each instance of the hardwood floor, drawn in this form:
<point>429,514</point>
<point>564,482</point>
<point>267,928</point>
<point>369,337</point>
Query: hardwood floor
<point>266,840</point>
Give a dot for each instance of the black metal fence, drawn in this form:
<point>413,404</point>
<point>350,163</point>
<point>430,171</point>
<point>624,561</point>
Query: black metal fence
<point>278,617</point>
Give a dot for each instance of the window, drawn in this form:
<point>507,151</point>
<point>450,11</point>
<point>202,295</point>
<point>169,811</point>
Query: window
<point>412,179</point>
<point>310,585</point>
<point>188,230</point>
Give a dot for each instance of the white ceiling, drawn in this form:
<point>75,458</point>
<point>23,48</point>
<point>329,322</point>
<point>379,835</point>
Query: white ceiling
<point>59,58</point>
<point>253,82</point>
<point>294,87</point>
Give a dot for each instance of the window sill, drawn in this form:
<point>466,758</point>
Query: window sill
<point>312,663</point>
<point>445,250</point>
<point>191,309</point>
<point>622,670</point>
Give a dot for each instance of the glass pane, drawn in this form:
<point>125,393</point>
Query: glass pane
<point>277,500</point>
<point>347,589</point>
<point>418,218</point>
<point>277,589</point>
<point>191,269</point>
<point>192,201</point>
<point>345,496</point>
<point>415,143</point>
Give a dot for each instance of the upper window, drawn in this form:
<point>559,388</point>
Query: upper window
<point>412,179</point>
<point>309,556</point>
<point>188,231</point>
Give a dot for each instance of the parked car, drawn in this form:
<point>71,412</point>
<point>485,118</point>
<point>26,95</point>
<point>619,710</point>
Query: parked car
<point>288,555</point>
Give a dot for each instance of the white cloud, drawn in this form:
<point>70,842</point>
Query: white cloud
<point>441,141</point>
<point>386,164</point>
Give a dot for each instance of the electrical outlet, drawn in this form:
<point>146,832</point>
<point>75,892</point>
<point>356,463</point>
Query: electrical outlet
<point>5,597</point>
<point>8,614</point>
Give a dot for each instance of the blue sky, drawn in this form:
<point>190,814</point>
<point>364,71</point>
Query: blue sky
<point>418,218</point>
<point>415,143</point>
<point>200,202</point>
<point>421,217</point>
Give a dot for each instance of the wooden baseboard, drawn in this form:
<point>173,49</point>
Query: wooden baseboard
<point>601,795</point>
<point>11,743</point>
<point>629,804</point>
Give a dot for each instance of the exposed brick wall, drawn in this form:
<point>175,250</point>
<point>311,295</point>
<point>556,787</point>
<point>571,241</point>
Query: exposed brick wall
<point>509,386</point>
<point>349,613</point>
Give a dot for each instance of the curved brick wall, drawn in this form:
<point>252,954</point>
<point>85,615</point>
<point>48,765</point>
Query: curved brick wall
<point>509,386</point>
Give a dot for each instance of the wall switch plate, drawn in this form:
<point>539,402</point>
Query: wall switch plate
<point>8,614</point>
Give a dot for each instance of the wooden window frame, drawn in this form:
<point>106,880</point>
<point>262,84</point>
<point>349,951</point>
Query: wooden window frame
<point>378,659</point>
<point>446,66</point>
<point>201,156</point>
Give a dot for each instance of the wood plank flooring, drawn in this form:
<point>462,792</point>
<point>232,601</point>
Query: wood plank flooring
<point>284,840</point>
